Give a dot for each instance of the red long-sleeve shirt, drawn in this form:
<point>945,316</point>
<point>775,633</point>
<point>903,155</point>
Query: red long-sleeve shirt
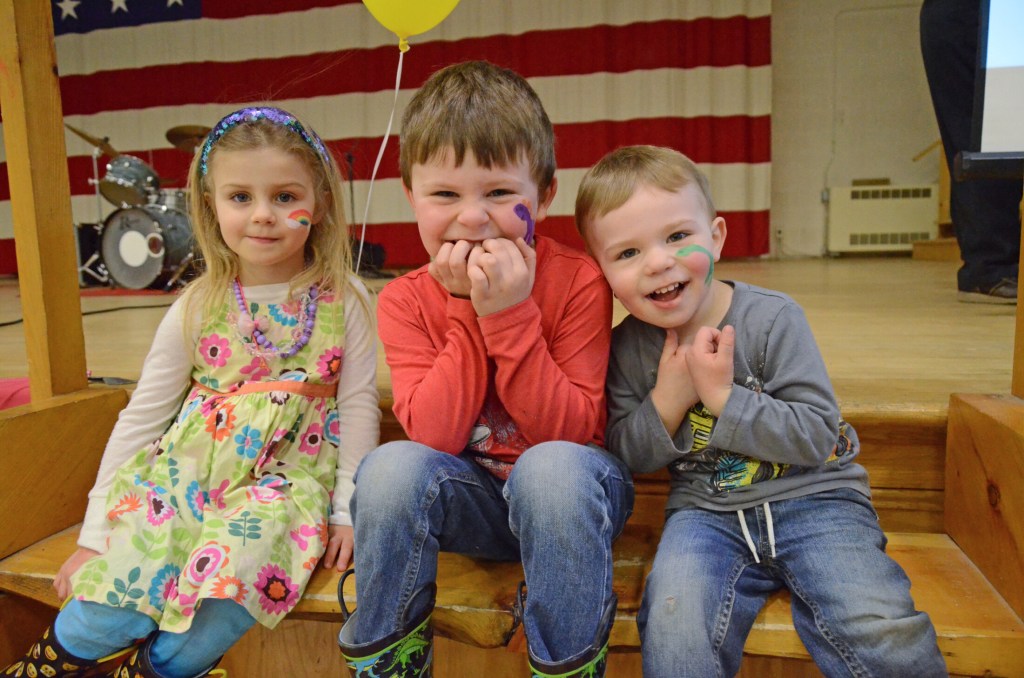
<point>530,373</point>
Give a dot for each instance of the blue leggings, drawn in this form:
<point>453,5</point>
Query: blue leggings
<point>91,631</point>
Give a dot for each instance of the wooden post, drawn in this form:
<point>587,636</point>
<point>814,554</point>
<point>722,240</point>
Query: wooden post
<point>40,199</point>
<point>1017,382</point>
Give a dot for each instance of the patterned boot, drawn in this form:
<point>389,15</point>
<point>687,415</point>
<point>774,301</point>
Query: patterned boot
<point>407,653</point>
<point>47,657</point>
<point>591,664</point>
<point>139,665</point>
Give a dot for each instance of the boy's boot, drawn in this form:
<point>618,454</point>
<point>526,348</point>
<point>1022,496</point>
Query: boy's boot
<point>47,657</point>
<point>406,653</point>
<point>139,665</point>
<point>591,664</point>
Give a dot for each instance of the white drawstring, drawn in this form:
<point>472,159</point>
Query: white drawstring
<point>746,535</point>
<point>746,532</point>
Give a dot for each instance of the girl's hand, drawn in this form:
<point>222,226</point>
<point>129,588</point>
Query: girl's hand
<point>340,541</point>
<point>711,366</point>
<point>673,393</point>
<point>501,273</point>
<point>449,267</point>
<point>62,582</point>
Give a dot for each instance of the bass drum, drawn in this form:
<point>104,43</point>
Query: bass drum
<point>145,246</point>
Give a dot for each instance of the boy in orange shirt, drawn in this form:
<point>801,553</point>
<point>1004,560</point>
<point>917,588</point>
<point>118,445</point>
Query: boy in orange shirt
<point>498,351</point>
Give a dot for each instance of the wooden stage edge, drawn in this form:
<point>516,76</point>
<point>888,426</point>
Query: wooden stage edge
<point>893,336</point>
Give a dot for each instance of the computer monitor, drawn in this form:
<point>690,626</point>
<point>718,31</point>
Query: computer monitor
<point>997,148</point>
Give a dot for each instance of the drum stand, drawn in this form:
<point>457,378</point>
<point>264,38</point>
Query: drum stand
<point>100,271</point>
<point>178,272</point>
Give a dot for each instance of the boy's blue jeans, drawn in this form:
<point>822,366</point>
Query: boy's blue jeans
<point>558,513</point>
<point>92,631</point>
<point>851,602</point>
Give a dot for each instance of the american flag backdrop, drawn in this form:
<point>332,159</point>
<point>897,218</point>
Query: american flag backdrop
<point>691,74</point>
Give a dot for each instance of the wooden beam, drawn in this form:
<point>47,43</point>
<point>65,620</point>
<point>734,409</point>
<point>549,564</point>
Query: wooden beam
<point>52,450</point>
<point>40,199</point>
<point>985,488</point>
<point>1017,382</point>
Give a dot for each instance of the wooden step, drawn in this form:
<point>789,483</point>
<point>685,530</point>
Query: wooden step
<point>977,630</point>
<point>903,450</point>
<point>937,249</point>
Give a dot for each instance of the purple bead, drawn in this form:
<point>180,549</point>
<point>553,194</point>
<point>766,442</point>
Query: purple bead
<point>260,339</point>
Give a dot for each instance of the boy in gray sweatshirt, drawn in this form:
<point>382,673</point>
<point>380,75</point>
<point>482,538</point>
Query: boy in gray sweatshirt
<point>723,383</point>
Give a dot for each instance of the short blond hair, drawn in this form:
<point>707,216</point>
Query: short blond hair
<point>616,177</point>
<point>479,107</point>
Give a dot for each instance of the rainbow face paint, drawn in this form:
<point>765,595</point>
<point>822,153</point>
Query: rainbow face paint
<point>300,219</point>
<point>522,211</point>
<point>692,249</point>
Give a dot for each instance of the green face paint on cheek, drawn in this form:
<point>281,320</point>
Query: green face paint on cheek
<point>690,249</point>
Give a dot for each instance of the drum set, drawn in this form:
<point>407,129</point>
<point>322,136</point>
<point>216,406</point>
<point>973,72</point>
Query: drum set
<point>146,242</point>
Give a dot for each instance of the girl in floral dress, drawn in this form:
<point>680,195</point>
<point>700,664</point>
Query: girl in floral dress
<point>229,474</point>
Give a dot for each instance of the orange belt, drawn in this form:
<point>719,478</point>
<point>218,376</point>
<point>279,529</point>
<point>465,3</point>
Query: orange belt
<point>302,388</point>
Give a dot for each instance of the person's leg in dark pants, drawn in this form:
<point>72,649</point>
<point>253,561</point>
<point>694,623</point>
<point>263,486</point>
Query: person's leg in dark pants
<point>985,212</point>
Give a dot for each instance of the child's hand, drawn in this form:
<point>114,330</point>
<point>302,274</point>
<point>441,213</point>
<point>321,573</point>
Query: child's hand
<point>711,366</point>
<point>502,274</point>
<point>340,541</point>
<point>449,267</point>
<point>673,393</point>
<point>62,582</point>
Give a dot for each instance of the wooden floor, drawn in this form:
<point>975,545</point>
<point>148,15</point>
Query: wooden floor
<point>890,328</point>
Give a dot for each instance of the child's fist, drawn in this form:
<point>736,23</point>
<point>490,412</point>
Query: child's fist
<point>710,359</point>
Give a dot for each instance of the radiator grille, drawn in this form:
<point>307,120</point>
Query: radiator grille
<point>881,218</point>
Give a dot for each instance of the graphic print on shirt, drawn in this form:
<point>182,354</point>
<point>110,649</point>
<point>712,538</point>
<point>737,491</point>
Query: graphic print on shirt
<point>495,433</point>
<point>730,470</point>
<point>727,470</point>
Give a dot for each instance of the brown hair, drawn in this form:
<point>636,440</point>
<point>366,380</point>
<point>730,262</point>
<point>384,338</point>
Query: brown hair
<point>616,177</point>
<point>479,107</point>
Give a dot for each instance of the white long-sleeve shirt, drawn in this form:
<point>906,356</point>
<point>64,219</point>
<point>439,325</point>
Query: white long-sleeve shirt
<point>167,377</point>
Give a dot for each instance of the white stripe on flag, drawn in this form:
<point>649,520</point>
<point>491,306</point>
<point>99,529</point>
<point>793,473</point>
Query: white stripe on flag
<point>351,26</point>
<point>661,93</point>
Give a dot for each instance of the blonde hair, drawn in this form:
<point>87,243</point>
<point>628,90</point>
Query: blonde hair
<point>479,107</point>
<point>617,176</point>
<point>328,248</point>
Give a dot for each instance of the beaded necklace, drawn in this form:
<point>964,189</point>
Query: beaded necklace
<point>252,331</point>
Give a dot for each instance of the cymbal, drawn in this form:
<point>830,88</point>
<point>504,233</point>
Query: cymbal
<point>102,144</point>
<point>187,137</point>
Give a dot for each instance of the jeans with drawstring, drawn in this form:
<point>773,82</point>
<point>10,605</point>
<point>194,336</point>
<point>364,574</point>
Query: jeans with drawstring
<point>851,602</point>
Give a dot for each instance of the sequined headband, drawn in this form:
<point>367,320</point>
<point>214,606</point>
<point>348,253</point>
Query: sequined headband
<point>274,115</point>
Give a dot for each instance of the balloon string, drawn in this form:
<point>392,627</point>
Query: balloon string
<point>380,155</point>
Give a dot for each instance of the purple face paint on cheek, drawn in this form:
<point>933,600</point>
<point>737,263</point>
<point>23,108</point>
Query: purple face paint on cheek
<point>523,212</point>
<point>691,249</point>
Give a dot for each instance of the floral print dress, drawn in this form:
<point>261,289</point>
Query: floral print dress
<point>232,501</point>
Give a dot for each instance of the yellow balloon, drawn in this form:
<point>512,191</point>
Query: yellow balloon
<point>409,17</point>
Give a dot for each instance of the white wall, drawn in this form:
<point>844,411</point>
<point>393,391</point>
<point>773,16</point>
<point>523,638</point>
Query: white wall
<point>849,101</point>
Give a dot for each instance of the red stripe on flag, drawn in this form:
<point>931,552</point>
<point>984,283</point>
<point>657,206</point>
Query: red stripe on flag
<point>747,236</point>
<point>732,139</point>
<point>233,9</point>
<point>613,49</point>
<point>710,140</point>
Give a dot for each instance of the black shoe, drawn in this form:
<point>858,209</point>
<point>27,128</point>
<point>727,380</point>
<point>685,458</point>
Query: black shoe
<point>1002,292</point>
